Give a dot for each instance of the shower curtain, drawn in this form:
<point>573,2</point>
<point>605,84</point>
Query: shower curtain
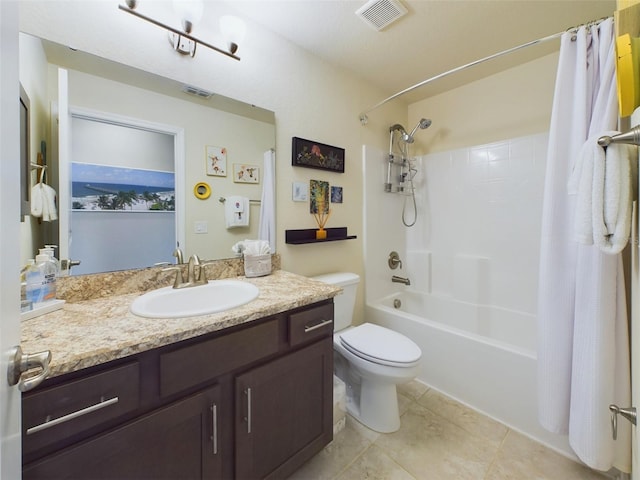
<point>267,225</point>
<point>583,348</point>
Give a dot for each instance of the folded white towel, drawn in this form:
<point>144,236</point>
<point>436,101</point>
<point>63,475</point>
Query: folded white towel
<point>603,181</point>
<point>236,211</point>
<point>43,202</point>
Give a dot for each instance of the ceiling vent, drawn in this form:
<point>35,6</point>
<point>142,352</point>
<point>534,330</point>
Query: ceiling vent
<point>381,13</point>
<point>198,92</point>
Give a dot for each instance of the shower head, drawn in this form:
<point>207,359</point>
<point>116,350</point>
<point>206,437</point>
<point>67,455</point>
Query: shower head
<point>422,124</point>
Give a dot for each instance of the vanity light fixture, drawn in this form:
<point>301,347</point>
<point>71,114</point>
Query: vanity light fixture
<point>190,12</point>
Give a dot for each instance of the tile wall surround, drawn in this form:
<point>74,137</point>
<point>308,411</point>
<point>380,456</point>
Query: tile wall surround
<point>477,235</point>
<point>480,211</point>
<point>87,287</point>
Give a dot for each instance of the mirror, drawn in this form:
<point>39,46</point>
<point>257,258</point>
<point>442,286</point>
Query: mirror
<point>225,140</point>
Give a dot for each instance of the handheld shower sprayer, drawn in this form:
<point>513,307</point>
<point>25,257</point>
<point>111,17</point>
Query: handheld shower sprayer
<point>400,171</point>
<point>422,124</point>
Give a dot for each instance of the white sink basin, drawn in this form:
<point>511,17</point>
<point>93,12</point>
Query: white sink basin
<point>215,296</point>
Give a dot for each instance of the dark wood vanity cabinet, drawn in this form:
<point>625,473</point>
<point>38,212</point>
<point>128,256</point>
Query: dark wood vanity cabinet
<point>248,402</point>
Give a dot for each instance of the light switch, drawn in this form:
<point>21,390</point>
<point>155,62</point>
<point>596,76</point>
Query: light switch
<point>201,227</point>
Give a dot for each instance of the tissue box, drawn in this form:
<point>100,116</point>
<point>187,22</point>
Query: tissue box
<point>257,265</point>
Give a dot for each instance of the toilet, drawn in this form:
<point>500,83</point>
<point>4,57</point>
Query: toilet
<point>370,359</point>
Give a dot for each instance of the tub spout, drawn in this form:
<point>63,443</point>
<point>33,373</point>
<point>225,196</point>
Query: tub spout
<point>397,279</point>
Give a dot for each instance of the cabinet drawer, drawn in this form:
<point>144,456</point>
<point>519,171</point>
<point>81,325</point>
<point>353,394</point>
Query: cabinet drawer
<point>60,412</point>
<point>310,324</point>
<point>204,361</point>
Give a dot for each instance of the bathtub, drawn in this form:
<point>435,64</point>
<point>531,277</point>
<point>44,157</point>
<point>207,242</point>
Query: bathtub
<point>482,356</point>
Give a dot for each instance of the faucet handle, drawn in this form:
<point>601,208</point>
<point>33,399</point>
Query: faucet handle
<point>202,274</point>
<point>178,281</point>
<point>394,260</point>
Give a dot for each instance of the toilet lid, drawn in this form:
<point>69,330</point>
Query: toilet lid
<point>381,345</point>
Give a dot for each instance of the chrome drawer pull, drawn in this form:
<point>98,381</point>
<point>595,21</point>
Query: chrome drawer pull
<point>247,392</point>
<point>65,418</point>
<point>214,437</point>
<point>308,328</point>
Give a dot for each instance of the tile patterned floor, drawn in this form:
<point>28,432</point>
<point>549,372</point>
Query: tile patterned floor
<point>439,439</point>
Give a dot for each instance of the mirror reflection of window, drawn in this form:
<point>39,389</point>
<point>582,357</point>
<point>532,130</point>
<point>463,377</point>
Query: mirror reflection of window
<point>123,196</point>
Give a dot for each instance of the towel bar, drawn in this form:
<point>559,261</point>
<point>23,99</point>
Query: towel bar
<point>222,200</point>
<point>632,137</point>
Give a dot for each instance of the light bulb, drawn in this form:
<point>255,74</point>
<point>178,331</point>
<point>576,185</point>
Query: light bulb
<point>189,12</point>
<point>233,29</point>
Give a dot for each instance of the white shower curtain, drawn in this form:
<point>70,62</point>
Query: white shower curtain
<point>267,226</point>
<point>583,348</point>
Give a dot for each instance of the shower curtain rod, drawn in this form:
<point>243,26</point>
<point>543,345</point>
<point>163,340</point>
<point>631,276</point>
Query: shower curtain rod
<point>363,116</point>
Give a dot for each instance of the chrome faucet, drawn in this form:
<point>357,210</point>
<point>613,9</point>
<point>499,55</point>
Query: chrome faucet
<point>397,279</point>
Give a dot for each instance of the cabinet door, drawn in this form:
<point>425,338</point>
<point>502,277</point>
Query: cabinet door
<point>179,441</point>
<point>283,412</point>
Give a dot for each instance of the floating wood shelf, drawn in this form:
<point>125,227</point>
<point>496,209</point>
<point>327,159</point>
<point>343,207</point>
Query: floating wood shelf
<point>308,235</point>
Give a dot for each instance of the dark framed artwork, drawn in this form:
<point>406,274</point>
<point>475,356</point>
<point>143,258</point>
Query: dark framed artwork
<point>310,154</point>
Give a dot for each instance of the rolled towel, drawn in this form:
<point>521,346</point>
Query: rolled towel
<point>602,180</point>
<point>613,194</point>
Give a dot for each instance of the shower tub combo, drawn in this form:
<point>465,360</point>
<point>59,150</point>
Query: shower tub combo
<point>481,355</point>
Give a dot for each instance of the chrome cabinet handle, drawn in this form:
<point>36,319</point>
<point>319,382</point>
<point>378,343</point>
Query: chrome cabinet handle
<point>247,392</point>
<point>311,328</point>
<point>21,362</point>
<point>78,413</point>
<point>214,436</point>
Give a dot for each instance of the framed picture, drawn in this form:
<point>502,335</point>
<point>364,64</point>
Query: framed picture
<point>336,194</point>
<point>319,196</point>
<point>243,173</point>
<point>300,192</point>
<point>216,158</point>
<point>310,154</point>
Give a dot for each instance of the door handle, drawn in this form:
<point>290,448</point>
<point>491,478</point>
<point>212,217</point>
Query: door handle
<point>628,413</point>
<point>21,362</point>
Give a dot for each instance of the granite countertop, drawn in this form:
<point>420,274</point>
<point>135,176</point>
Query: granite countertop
<point>91,332</point>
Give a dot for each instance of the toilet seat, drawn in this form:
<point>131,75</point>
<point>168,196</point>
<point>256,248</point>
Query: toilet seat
<point>380,345</point>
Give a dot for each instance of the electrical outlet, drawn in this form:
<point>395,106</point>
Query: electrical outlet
<point>200,227</point>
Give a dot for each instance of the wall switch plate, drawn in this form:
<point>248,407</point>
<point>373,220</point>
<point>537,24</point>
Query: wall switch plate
<point>200,227</point>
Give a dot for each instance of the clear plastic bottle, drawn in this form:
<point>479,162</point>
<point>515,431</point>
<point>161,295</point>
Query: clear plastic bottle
<point>41,279</point>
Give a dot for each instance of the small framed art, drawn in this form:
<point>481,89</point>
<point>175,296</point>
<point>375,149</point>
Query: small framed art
<point>336,194</point>
<point>216,158</point>
<point>300,192</point>
<point>246,173</point>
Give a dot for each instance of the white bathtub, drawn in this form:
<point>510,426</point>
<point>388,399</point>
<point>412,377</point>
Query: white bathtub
<point>482,356</point>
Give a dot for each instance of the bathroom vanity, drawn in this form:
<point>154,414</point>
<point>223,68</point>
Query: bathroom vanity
<point>248,400</point>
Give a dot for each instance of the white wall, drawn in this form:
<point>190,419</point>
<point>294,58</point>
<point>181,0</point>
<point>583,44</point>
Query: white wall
<point>510,104</point>
<point>33,68</point>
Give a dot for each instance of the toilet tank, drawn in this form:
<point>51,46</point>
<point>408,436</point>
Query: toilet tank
<point>346,301</point>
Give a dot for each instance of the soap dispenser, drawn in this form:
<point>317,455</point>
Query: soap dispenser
<point>41,279</point>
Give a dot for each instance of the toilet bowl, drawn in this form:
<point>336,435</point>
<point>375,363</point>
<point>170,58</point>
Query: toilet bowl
<point>370,359</point>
